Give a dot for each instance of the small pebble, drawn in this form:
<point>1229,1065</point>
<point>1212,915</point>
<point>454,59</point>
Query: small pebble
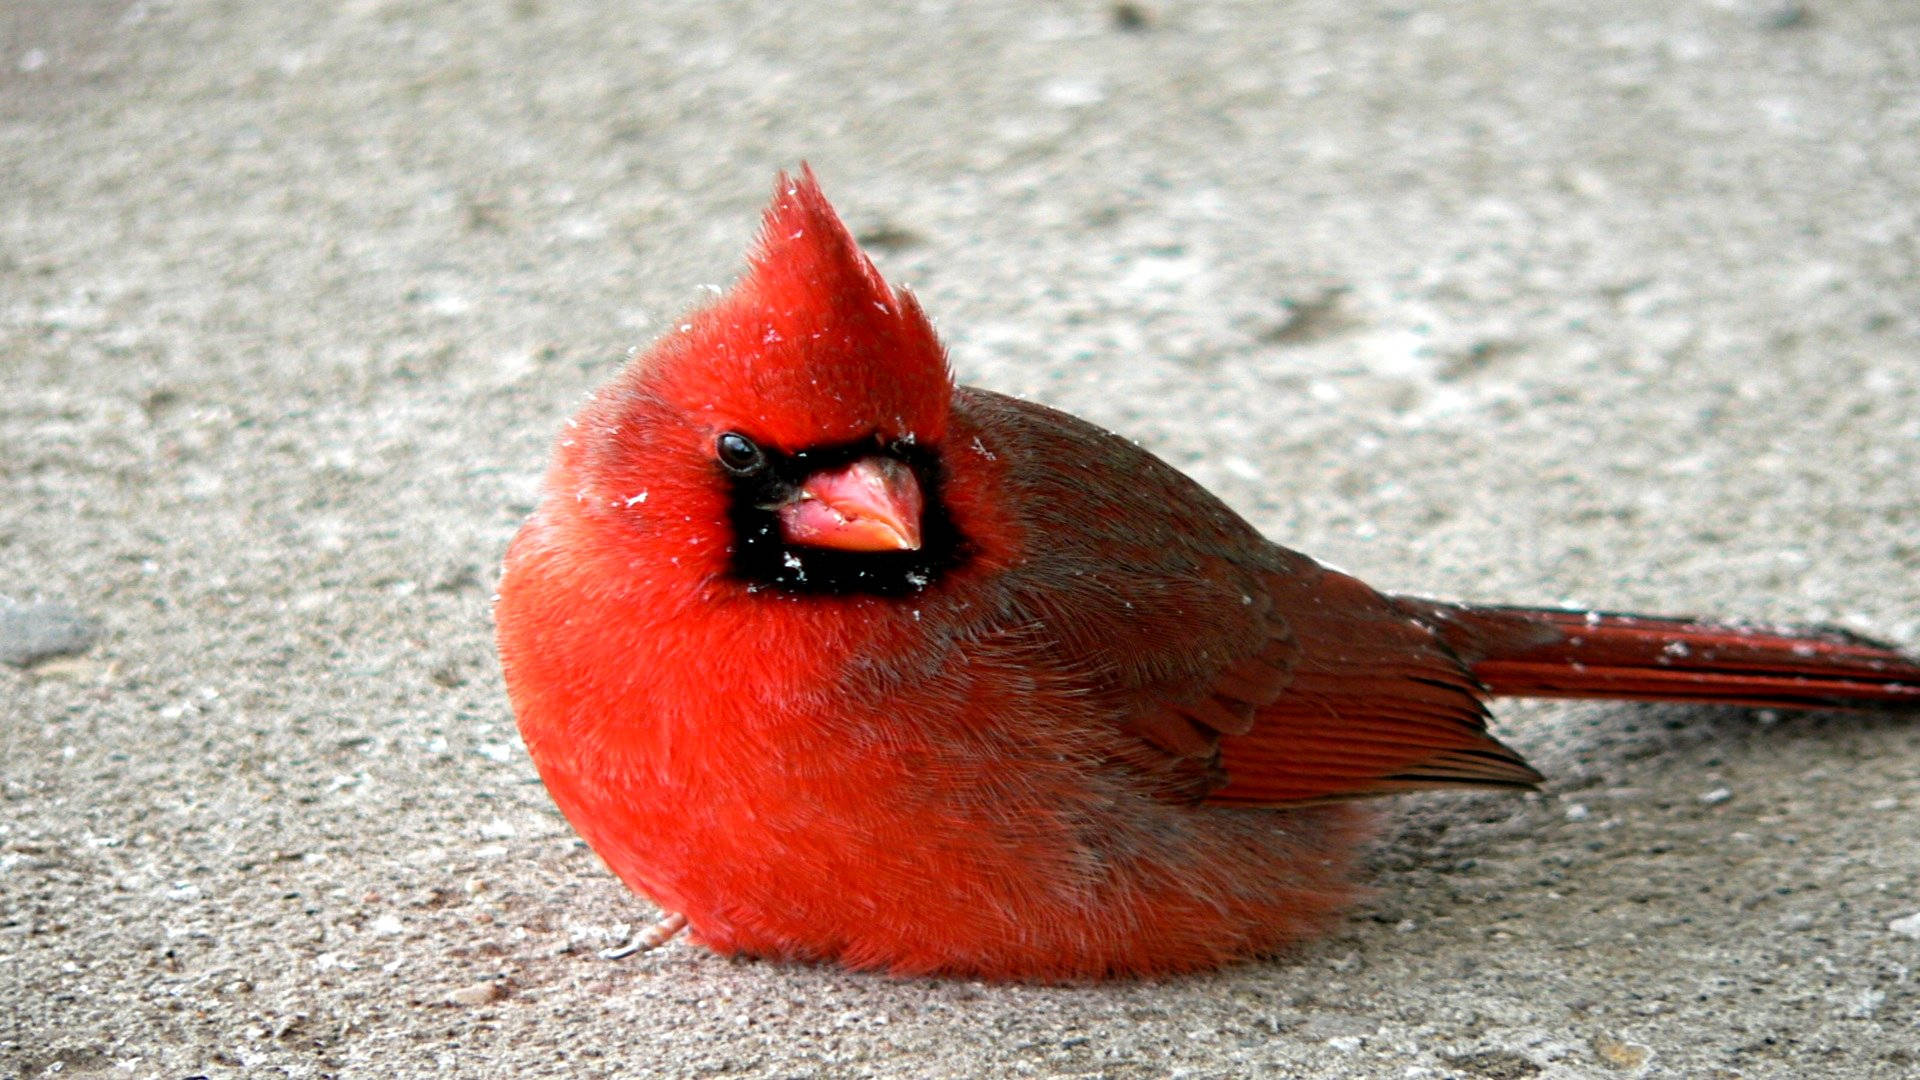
<point>480,993</point>
<point>33,632</point>
<point>1779,16</point>
<point>1130,16</point>
<point>77,669</point>
<point>1619,1054</point>
<point>1716,796</point>
<point>1907,926</point>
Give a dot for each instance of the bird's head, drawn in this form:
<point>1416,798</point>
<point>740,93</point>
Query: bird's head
<point>791,430</point>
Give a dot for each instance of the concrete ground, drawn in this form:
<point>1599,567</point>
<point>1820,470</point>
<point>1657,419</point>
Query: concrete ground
<point>1612,304</point>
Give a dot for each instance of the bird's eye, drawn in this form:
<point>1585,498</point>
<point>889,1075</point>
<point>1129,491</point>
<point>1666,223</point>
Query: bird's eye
<point>739,454</point>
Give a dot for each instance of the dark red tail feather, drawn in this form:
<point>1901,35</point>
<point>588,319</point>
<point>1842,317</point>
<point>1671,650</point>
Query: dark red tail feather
<point>1546,652</point>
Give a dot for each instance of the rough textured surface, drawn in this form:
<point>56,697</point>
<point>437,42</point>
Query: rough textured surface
<point>1614,304</point>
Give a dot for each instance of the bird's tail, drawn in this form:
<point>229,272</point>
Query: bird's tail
<point>1547,652</point>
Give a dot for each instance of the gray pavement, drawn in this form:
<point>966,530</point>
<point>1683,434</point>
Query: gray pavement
<point>1611,304</point>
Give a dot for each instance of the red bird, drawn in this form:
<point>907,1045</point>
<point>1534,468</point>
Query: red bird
<point>838,661</point>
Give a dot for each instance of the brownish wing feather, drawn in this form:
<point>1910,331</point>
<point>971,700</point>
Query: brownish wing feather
<point>1377,705</point>
<point>1245,673</point>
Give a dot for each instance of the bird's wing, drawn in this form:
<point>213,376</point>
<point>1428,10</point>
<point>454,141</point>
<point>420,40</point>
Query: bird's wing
<point>1240,672</point>
<point>1376,704</point>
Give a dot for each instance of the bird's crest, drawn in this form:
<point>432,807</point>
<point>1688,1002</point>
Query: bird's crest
<point>811,347</point>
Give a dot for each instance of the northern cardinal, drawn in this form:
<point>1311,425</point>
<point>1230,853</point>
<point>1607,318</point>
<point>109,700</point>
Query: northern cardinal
<point>838,661</point>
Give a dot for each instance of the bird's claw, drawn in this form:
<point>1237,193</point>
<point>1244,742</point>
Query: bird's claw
<point>648,937</point>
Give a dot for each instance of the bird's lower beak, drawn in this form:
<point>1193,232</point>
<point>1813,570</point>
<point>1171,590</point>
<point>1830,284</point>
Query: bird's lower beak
<point>873,504</point>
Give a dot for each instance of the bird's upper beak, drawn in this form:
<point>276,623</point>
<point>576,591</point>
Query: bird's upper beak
<point>873,504</point>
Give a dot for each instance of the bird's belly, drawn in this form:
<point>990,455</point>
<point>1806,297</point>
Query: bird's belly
<point>897,853</point>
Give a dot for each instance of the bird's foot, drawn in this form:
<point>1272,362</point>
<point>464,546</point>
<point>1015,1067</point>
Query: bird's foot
<point>648,937</point>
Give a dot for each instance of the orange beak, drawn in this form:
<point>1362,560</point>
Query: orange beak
<point>871,505</point>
